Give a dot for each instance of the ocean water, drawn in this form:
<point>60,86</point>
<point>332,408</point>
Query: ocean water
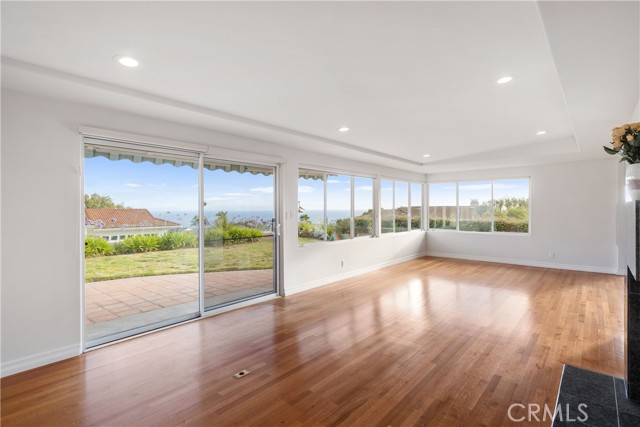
<point>184,218</point>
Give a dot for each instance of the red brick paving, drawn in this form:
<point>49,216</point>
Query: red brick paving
<point>113,299</point>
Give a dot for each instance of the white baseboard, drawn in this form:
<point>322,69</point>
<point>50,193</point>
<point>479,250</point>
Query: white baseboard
<point>41,359</point>
<point>574,267</point>
<point>336,278</point>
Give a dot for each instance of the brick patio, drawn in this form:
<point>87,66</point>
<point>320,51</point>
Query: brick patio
<point>113,299</point>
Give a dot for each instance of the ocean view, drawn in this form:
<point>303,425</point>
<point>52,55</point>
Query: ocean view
<point>184,218</point>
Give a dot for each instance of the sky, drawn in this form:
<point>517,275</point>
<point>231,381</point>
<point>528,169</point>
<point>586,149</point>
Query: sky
<point>167,188</point>
<point>162,188</point>
<point>444,194</point>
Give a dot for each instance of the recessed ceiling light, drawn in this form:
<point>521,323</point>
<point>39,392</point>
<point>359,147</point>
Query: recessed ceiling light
<point>343,129</point>
<point>541,132</point>
<point>426,155</point>
<point>503,80</point>
<point>127,61</point>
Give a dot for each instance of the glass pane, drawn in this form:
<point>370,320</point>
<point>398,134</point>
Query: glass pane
<point>401,206</point>
<point>511,205</point>
<point>363,203</point>
<point>416,206</point>
<point>311,207</point>
<point>239,234</point>
<point>141,250</point>
<point>386,206</point>
<point>338,207</point>
<point>474,200</point>
<point>442,206</point>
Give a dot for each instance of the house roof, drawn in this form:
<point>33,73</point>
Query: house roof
<point>124,218</point>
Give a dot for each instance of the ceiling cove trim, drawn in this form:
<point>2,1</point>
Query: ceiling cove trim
<point>98,84</point>
<point>557,74</point>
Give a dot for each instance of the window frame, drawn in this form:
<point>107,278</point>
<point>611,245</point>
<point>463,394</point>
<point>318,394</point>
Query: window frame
<point>492,180</point>
<point>352,176</point>
<point>409,182</point>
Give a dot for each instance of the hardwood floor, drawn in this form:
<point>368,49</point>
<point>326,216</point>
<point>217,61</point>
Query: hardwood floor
<point>432,342</point>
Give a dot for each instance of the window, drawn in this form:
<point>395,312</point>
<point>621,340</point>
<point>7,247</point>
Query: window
<point>363,206</point>
<point>482,206</point>
<point>400,209</point>
<point>443,206</point>
<point>474,206</point>
<point>416,206</point>
<point>339,207</point>
<point>333,206</point>
<point>386,207</point>
<point>401,206</point>
<point>511,206</point>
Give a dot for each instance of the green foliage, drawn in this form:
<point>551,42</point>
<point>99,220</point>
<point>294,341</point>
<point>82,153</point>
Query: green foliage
<point>442,223</point>
<point>98,201</point>
<point>96,246</point>
<point>363,225</point>
<point>212,236</point>
<point>222,220</point>
<point>306,229</point>
<point>178,240</point>
<point>511,225</point>
<point>475,225</point>
<point>140,243</point>
<point>235,235</point>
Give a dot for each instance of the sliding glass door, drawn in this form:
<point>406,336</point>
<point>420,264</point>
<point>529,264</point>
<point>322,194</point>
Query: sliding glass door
<point>239,238</point>
<point>150,259</point>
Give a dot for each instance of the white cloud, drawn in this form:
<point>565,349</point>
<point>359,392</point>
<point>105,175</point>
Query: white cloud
<point>333,181</point>
<point>305,189</point>
<point>132,185</point>
<point>364,188</point>
<point>266,190</point>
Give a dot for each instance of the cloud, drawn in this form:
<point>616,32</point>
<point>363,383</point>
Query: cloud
<point>235,194</point>
<point>266,190</point>
<point>305,189</point>
<point>333,181</point>
<point>132,185</point>
<point>364,188</point>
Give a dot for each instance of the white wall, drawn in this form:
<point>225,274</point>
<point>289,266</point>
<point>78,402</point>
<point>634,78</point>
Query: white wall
<point>573,212</point>
<point>41,221</point>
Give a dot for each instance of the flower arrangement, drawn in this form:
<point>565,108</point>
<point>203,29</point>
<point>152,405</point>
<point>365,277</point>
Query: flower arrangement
<point>625,140</point>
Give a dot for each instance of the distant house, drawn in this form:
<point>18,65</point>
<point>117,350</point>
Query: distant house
<point>115,225</point>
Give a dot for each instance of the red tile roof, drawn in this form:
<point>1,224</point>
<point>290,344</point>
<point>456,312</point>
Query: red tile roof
<point>123,218</point>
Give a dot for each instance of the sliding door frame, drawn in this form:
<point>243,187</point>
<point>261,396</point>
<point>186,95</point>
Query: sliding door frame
<point>114,139</point>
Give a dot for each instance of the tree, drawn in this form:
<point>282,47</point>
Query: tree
<point>195,221</point>
<point>222,220</point>
<point>98,201</point>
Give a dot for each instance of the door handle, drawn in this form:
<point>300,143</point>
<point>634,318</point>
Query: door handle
<point>278,230</point>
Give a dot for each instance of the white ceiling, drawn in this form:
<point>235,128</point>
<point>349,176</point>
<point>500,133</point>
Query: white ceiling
<point>408,78</point>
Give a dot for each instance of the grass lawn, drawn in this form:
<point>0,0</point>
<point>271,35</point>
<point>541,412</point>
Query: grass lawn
<point>247,256</point>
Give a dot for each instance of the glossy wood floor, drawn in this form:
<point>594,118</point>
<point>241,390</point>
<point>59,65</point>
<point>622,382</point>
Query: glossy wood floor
<point>431,342</point>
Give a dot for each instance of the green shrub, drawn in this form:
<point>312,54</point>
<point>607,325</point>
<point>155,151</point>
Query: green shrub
<point>213,236</point>
<point>96,246</point>
<point>363,226</point>
<point>306,229</point>
<point>178,240</point>
<point>442,223</point>
<point>235,235</point>
<point>511,225</point>
<point>141,243</point>
<point>475,225</point>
